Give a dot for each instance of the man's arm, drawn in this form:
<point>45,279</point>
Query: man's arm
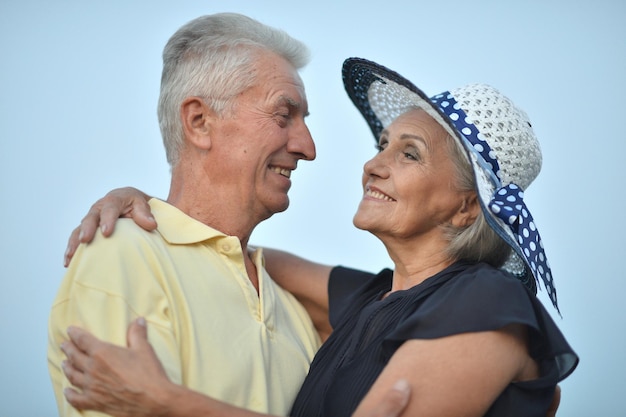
<point>130,382</point>
<point>104,291</point>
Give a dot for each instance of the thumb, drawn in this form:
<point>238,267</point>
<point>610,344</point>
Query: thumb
<point>142,215</point>
<point>137,334</point>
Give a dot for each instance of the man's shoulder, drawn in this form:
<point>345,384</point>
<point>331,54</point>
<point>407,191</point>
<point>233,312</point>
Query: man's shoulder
<point>130,248</point>
<point>126,236</point>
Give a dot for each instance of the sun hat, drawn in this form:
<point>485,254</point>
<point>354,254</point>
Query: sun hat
<point>498,139</point>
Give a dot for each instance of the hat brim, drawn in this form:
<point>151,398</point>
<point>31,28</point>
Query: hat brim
<point>381,95</point>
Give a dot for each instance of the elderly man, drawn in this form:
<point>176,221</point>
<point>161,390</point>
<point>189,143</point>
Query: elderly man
<point>231,112</point>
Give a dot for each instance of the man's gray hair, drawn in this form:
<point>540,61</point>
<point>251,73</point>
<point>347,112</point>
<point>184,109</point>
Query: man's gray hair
<point>213,57</point>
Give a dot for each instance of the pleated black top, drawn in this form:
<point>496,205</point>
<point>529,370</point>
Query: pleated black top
<point>462,298</point>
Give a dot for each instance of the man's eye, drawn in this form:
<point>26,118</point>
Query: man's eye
<point>283,114</point>
<point>282,118</point>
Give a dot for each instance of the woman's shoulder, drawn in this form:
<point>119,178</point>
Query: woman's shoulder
<point>485,279</point>
<point>473,297</point>
<point>350,289</point>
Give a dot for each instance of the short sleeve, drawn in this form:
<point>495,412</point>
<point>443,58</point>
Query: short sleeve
<point>486,299</point>
<point>351,289</point>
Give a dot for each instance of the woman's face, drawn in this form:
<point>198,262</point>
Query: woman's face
<point>410,185</point>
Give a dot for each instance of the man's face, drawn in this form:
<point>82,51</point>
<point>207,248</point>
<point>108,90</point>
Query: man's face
<point>261,141</point>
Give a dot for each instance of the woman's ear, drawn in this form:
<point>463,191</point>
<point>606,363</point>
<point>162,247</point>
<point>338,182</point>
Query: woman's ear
<point>468,212</point>
<point>196,117</point>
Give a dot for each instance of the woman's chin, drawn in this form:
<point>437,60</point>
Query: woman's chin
<point>362,223</point>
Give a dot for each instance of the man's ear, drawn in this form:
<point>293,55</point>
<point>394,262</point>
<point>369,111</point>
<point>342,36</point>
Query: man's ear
<point>468,212</point>
<point>197,117</point>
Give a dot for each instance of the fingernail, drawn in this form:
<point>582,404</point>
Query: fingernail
<point>62,347</point>
<point>104,228</point>
<point>401,385</point>
<point>81,235</point>
<point>141,321</point>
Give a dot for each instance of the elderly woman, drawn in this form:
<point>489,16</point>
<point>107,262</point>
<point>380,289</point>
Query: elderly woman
<point>457,317</point>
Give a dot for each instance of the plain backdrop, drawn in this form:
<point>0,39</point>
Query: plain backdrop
<point>79,83</point>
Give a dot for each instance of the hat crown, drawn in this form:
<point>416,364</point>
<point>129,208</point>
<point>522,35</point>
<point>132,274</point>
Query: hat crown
<point>506,129</point>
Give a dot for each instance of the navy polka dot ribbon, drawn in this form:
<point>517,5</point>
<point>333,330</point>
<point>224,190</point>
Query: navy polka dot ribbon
<point>507,203</point>
<point>446,103</point>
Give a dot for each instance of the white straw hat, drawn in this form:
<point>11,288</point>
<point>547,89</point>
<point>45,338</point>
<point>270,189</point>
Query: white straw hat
<point>499,141</point>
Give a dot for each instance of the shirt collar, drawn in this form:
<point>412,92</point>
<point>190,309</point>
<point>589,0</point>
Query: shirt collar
<point>177,227</point>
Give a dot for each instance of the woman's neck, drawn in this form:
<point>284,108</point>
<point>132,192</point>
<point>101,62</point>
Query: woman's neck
<point>416,261</point>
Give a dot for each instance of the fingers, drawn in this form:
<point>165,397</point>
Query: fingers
<point>74,366</point>
<point>73,374</point>
<point>121,202</point>
<point>393,403</point>
<point>72,245</point>
<point>90,223</point>
<point>74,398</point>
<point>80,341</point>
<point>84,233</point>
<point>142,215</point>
<point>395,400</point>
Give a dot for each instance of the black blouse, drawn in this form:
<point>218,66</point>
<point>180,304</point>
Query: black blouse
<point>462,298</point>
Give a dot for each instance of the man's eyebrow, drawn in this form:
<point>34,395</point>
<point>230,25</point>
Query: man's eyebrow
<point>291,103</point>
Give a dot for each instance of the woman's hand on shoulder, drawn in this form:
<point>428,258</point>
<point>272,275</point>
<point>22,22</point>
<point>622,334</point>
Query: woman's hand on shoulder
<point>121,202</point>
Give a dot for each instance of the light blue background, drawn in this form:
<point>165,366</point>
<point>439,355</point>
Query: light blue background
<point>78,88</point>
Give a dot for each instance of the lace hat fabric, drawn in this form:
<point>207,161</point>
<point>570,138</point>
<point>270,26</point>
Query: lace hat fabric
<point>499,142</point>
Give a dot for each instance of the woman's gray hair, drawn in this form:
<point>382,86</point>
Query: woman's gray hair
<point>478,241</point>
<point>213,57</point>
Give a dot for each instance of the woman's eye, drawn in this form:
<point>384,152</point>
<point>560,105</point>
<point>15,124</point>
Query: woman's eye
<point>411,155</point>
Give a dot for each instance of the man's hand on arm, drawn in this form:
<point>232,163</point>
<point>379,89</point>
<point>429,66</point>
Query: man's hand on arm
<point>131,382</point>
<point>123,382</point>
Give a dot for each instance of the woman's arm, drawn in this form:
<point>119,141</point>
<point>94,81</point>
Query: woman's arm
<point>306,280</point>
<point>457,375</point>
<point>130,382</point>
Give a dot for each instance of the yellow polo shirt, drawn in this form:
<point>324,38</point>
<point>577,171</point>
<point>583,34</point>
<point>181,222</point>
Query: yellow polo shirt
<point>209,327</point>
